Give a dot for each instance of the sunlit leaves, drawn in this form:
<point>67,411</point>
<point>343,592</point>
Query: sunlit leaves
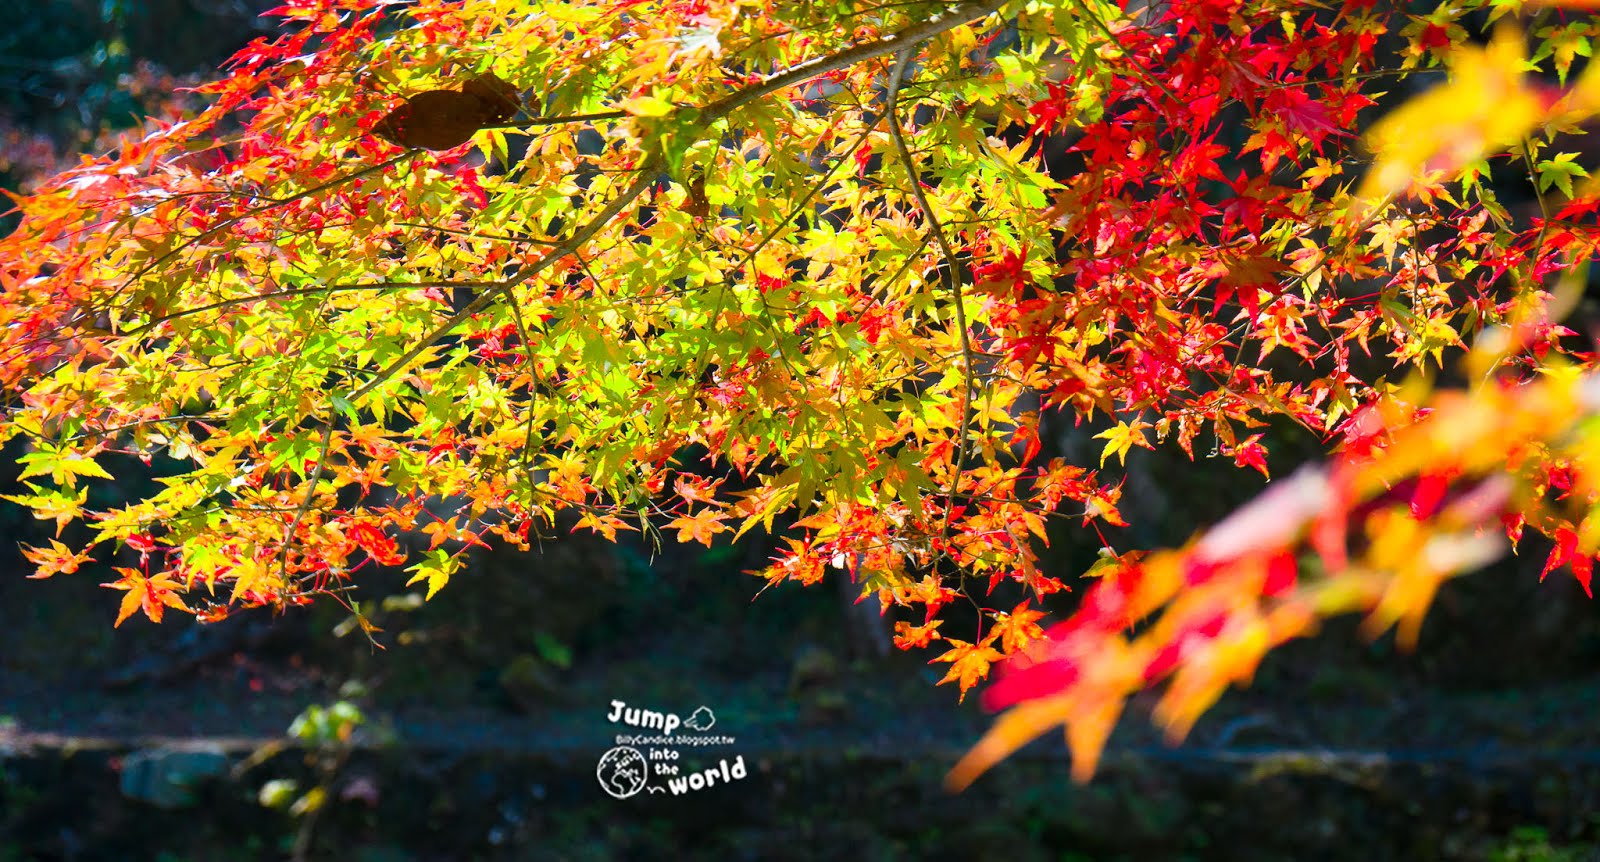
<point>62,464</point>
<point>1558,173</point>
<point>434,569</point>
<point>1121,438</point>
<point>1431,502</point>
<point>152,595</point>
<point>1488,105</point>
<point>700,527</point>
<point>1016,629</point>
<point>57,558</point>
<point>969,663</point>
<point>61,506</point>
<point>908,636</point>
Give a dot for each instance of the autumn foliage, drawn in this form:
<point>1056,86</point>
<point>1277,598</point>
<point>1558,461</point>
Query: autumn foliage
<point>695,267</point>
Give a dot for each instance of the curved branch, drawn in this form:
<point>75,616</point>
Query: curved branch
<point>954,265</point>
<point>559,120</point>
<point>901,41</point>
<point>272,204</point>
<point>570,245</point>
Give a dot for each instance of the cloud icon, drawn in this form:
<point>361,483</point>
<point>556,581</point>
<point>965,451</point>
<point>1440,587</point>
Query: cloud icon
<point>700,720</point>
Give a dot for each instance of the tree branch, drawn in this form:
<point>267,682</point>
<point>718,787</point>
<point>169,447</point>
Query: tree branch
<point>959,457</point>
<point>903,40</point>
<point>301,291</point>
<point>571,244</point>
<point>272,204</point>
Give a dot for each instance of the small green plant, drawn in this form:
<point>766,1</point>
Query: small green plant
<point>328,735</point>
<point>1532,844</point>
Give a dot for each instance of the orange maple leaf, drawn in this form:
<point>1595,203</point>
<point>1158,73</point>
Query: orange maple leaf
<point>696,489</point>
<point>1016,629</point>
<point>907,636</point>
<point>440,532</point>
<point>56,558</point>
<point>699,528</point>
<point>969,663</point>
<point>605,525</point>
<point>153,595</point>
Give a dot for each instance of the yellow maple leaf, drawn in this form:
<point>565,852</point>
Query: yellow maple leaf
<point>605,525</point>
<point>1121,438</point>
<point>435,567</point>
<point>249,572</point>
<point>52,504</point>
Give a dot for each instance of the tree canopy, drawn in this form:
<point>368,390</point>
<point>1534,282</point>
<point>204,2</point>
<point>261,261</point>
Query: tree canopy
<point>692,267</point>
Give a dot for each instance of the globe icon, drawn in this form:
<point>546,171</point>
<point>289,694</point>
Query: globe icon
<point>622,771</point>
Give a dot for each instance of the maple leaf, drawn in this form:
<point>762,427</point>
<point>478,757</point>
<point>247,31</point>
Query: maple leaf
<point>153,595</point>
<point>57,558</point>
<point>1120,438</point>
<point>380,547</point>
<point>1104,507</point>
<point>435,568</point>
<point>699,528</point>
<point>61,464</point>
<point>1302,113</point>
<point>440,532</point>
<point>248,574</point>
<point>694,489</point>
<point>761,505</point>
<point>1566,552</point>
<point>605,525</point>
<point>1250,453</point>
<point>48,504</point>
<point>908,636</point>
<point>1016,629</point>
<point>969,663</point>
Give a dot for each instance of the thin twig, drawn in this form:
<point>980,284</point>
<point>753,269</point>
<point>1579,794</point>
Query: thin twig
<point>907,38</point>
<point>273,203</point>
<point>959,457</point>
<point>560,120</point>
<point>301,291</point>
<point>311,496</point>
<point>647,177</point>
